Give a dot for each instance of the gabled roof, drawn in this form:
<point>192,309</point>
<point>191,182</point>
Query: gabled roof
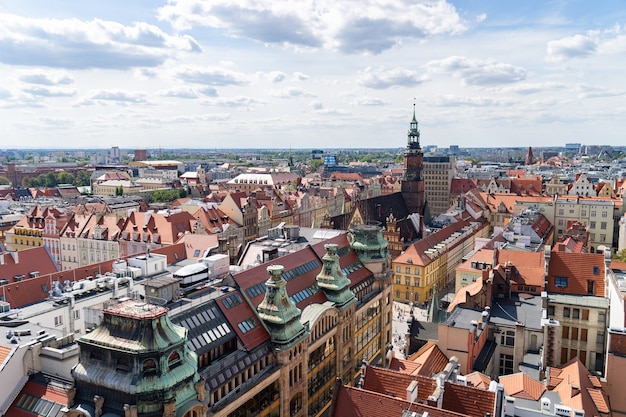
<point>427,361</point>
<point>28,260</point>
<point>355,402</point>
<point>416,253</point>
<point>393,383</point>
<point>520,385</point>
<point>578,268</point>
<point>579,389</point>
<point>478,380</point>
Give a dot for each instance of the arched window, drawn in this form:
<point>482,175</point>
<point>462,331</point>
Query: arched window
<point>123,365</point>
<point>149,366</point>
<point>295,404</point>
<point>173,360</point>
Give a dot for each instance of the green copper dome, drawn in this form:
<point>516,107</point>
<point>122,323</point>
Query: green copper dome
<point>279,313</point>
<point>333,281</point>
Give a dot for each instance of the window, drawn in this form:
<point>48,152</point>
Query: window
<point>576,314</point>
<point>561,212</point>
<point>585,314</point>
<point>408,270</point>
<point>397,269</point>
<point>508,338</point>
<point>601,317</point>
<point>561,222</point>
<point>596,270</point>
<point>592,225</point>
<point>407,281</point>
<point>583,335</point>
<point>574,333</point>
<point>590,287</point>
<point>566,312</point>
<point>417,282</point>
<point>560,282</point>
<point>602,238</point>
<point>173,360</point>
<point>123,365</point>
<point>603,225</point>
<point>565,332</point>
<point>550,311</point>
<point>58,320</point>
<point>149,366</point>
<point>600,338</point>
<point>76,314</point>
<point>583,213</point>
<point>398,294</point>
<point>506,364</point>
<point>593,213</point>
<point>406,296</point>
<point>604,214</point>
<point>397,280</point>
<point>416,298</point>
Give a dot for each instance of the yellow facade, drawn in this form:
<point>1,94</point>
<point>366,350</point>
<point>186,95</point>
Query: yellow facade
<point>20,238</point>
<point>414,284</point>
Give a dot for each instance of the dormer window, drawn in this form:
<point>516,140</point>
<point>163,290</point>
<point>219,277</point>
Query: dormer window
<point>149,366</point>
<point>173,360</point>
<point>123,365</point>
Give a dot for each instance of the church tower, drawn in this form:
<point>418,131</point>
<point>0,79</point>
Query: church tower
<point>412,186</point>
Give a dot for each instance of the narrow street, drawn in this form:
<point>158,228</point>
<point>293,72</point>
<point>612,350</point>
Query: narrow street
<point>401,312</point>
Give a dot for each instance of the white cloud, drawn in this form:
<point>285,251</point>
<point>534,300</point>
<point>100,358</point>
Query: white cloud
<point>609,41</point>
<point>450,100</point>
<point>77,44</point>
<point>188,93</point>
<point>115,96</point>
<point>381,78</point>
<point>478,72</point>
<point>370,101</point>
<point>291,92</point>
<point>44,77</point>
<point>213,76</point>
<point>571,47</point>
<point>532,88</point>
<point>299,76</point>
<point>239,101</point>
<point>277,76</point>
<point>349,26</point>
<point>49,91</point>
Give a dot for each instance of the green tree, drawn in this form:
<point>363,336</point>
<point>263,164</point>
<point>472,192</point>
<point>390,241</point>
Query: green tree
<point>65,178</point>
<point>51,179</point>
<point>165,196</point>
<point>82,178</point>
<point>4,181</point>
<point>119,190</point>
<point>620,256</point>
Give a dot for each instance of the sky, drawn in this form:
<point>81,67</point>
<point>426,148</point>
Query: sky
<point>311,73</point>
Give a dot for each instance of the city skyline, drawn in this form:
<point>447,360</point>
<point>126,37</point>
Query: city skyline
<point>237,74</point>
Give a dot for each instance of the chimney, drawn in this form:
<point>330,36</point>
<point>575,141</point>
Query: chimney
<point>509,407</point>
<point>15,256</point>
<point>411,392</point>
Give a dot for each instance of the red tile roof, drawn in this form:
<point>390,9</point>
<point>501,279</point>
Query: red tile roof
<point>28,260</point>
<point>578,268</point>
<point>470,401</point>
<point>355,402</point>
<point>38,390</point>
<point>429,360</point>
<point>578,389</point>
<point>416,252</point>
<point>4,353</point>
<point>520,385</point>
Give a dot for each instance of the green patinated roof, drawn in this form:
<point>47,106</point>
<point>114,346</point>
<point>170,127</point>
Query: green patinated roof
<point>368,242</point>
<point>279,313</point>
<point>333,281</point>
